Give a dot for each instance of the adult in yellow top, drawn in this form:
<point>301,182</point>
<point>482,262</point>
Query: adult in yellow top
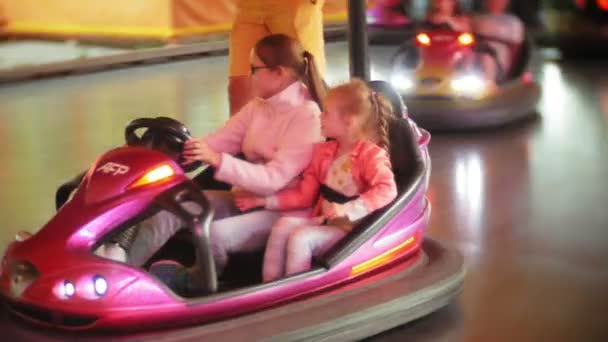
<point>255,19</point>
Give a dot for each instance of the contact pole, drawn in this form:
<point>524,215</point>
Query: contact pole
<point>357,39</point>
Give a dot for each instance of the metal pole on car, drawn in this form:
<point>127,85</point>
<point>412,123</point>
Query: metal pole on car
<point>357,39</point>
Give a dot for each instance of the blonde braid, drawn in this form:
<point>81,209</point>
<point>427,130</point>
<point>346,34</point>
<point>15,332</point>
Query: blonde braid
<point>382,113</point>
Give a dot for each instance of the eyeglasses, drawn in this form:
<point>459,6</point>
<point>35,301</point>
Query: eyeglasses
<point>254,68</point>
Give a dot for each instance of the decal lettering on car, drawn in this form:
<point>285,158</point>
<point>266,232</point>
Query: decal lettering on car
<point>113,169</point>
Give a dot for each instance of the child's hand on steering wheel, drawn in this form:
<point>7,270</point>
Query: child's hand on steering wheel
<point>196,149</point>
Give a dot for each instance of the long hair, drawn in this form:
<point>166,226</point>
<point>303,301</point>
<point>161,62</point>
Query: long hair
<point>281,50</point>
<point>357,98</point>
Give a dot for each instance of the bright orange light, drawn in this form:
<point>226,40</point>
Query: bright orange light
<point>382,258</point>
<point>423,39</point>
<point>155,175</point>
<point>466,39</point>
<point>602,4</point>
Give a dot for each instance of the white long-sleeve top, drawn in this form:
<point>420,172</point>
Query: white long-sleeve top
<point>277,136</point>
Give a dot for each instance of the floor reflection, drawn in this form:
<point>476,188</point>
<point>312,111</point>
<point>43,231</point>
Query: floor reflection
<point>523,204</point>
<point>526,204</point>
<point>53,129</point>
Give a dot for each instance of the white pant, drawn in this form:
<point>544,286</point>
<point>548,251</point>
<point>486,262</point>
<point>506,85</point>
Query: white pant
<point>292,244</point>
<point>231,230</point>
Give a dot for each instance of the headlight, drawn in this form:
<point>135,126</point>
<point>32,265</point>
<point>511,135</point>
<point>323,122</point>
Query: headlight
<point>101,285</point>
<point>68,289</point>
<point>402,82</point>
<point>468,85</point>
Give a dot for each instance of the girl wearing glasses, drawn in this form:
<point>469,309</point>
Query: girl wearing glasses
<point>276,132</point>
<point>299,19</point>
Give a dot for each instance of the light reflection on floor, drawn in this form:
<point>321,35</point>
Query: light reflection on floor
<point>525,204</point>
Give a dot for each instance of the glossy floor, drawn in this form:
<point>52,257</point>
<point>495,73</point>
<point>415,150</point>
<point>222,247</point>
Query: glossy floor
<point>526,204</point>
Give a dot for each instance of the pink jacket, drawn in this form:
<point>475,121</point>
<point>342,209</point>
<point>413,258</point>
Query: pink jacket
<point>277,136</point>
<point>371,170</point>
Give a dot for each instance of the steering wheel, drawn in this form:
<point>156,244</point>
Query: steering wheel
<point>163,134</point>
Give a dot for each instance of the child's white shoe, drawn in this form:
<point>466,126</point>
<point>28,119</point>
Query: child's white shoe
<point>112,251</point>
<point>22,235</point>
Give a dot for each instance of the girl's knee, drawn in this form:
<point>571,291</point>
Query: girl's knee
<point>218,238</point>
<point>284,226</point>
<point>298,239</point>
<point>214,232</point>
<point>269,275</point>
<point>285,221</point>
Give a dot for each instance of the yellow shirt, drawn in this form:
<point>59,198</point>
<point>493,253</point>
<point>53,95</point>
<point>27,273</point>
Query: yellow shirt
<point>255,19</point>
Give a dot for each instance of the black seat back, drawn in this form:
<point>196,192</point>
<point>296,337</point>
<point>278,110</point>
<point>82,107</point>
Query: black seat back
<point>387,90</point>
<point>405,154</point>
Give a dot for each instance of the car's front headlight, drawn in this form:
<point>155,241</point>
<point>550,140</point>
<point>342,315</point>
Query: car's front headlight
<point>67,289</point>
<point>402,82</point>
<point>100,285</point>
<point>469,85</point>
